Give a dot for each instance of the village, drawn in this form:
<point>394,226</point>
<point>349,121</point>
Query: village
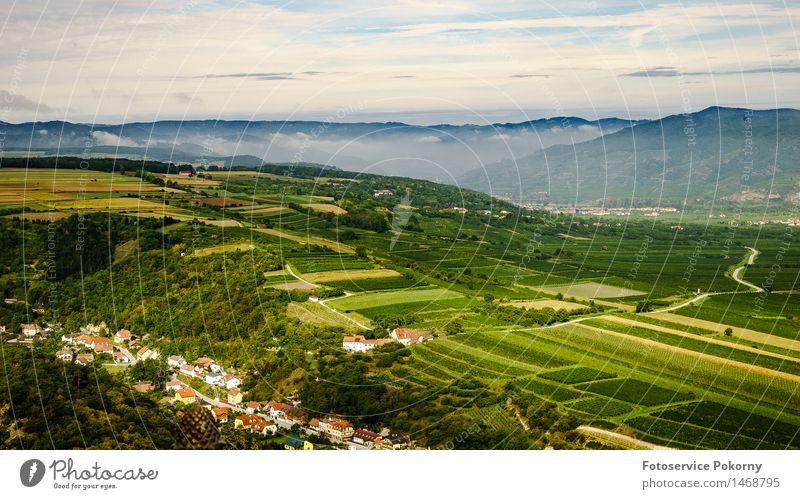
<point>94,345</point>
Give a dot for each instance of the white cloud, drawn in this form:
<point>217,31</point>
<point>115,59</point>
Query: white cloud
<point>110,139</point>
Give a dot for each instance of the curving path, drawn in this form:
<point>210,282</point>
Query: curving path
<point>738,271</point>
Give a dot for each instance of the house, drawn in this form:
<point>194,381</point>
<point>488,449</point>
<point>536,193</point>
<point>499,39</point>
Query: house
<point>123,336</point>
<point>120,358</point>
<point>213,379</point>
<point>244,421</point>
<point>185,395</point>
<point>252,407</point>
<point>84,359</point>
<point>30,330</point>
<point>220,414</point>
<point>264,427</point>
<point>313,298</point>
<point>338,430</point>
<point>143,387</point>
<point>101,348</point>
<point>185,173</point>
<point>187,370</point>
<point>276,409</point>
<point>65,355</point>
<point>173,385</point>
<point>101,345</point>
<point>365,438</point>
<point>409,337</point>
<point>294,414</point>
<point>234,397</point>
<point>459,210</point>
<point>360,344</point>
<point>381,192</point>
<point>204,363</point>
<point>297,443</point>
<point>175,361</point>
<point>313,424</point>
<point>394,441</point>
<point>232,381</point>
<point>145,353</point>
<point>69,339</point>
<point>82,340</point>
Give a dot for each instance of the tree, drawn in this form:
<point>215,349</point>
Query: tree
<point>728,331</point>
<point>643,306</point>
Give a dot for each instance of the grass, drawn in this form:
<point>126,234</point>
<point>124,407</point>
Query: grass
<point>314,313</point>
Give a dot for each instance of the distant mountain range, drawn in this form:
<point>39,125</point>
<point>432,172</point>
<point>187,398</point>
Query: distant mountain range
<point>430,152</point>
<point>719,154</point>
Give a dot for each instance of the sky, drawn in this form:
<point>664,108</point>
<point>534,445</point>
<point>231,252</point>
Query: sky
<point>423,62</point>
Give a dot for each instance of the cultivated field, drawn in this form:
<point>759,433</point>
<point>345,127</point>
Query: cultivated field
<point>592,290</point>
<point>354,274</point>
<point>540,304</point>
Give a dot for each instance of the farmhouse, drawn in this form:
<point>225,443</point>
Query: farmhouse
<point>313,298</point>
<point>409,337</point>
<point>360,344</point>
<point>381,192</point>
<point>123,336</point>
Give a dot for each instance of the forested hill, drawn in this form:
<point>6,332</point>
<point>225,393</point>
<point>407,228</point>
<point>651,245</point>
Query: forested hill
<point>718,154</point>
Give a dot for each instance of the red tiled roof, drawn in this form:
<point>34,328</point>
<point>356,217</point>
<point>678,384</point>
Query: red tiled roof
<point>185,392</point>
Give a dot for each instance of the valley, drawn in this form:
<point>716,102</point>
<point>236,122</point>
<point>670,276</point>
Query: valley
<point>548,330</point>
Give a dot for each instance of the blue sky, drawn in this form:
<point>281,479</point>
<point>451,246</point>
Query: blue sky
<point>418,61</point>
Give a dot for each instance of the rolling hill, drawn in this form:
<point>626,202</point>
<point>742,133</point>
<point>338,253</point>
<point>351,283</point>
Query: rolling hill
<point>718,154</point>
